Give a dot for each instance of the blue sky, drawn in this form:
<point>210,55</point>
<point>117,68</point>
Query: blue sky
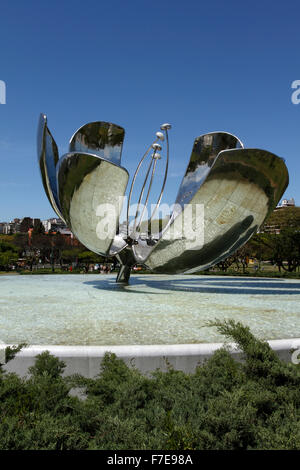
<point>203,66</point>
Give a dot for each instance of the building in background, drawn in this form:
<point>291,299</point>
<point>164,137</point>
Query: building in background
<point>286,203</point>
<point>54,225</point>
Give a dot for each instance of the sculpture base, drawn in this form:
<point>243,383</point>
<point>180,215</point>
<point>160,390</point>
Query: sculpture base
<point>124,274</point>
<point>127,261</point>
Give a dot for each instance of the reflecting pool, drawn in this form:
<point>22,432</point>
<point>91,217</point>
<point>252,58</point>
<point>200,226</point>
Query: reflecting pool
<point>154,309</point>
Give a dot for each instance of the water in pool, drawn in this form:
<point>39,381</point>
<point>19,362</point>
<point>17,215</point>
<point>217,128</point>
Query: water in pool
<point>153,309</point>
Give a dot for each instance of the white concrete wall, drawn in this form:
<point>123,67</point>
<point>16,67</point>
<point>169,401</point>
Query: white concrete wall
<point>86,360</point>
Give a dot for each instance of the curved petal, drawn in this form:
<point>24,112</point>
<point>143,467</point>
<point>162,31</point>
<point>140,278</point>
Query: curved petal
<point>104,139</point>
<point>205,151</point>
<point>204,154</point>
<point>242,188</point>
<point>91,192</point>
<point>48,158</point>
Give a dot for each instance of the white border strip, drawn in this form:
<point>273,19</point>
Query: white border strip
<point>86,360</point>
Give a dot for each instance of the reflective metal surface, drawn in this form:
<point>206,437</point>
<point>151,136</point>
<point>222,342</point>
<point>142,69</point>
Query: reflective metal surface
<point>80,185</point>
<point>225,195</point>
<point>240,190</point>
<point>99,138</point>
<point>48,158</point>
<point>204,153</point>
<point>90,191</point>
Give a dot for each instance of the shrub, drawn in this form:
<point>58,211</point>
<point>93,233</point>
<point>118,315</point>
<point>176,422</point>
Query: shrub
<point>224,404</point>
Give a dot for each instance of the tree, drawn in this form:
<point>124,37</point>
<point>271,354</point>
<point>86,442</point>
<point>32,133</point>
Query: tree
<point>8,255</point>
<point>71,254</point>
<point>242,256</point>
<point>38,228</point>
<point>286,248</point>
<point>288,217</point>
<point>89,257</point>
<point>282,249</point>
<point>226,263</point>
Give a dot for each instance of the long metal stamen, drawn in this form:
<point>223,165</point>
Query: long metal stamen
<point>164,181</point>
<point>155,146</point>
<point>133,181</point>
<point>141,195</point>
<point>149,189</point>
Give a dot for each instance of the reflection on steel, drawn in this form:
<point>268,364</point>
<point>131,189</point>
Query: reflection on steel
<point>48,158</point>
<point>86,183</point>
<point>240,190</point>
<point>99,138</point>
<point>82,182</point>
<point>226,194</point>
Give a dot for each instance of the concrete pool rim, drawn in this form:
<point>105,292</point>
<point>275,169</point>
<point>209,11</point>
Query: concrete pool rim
<point>86,360</point>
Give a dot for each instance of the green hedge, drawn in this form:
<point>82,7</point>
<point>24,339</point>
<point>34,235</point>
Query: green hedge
<point>223,405</point>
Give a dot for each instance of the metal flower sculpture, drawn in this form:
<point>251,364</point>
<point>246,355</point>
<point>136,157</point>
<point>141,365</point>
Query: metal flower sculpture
<point>225,195</point>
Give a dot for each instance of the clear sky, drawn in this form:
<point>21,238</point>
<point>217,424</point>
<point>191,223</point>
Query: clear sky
<point>203,66</point>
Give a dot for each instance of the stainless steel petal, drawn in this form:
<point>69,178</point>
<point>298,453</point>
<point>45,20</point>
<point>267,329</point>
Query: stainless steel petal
<point>118,244</point>
<point>48,158</point>
<point>240,190</point>
<point>91,192</point>
<point>99,138</point>
<point>205,151</point>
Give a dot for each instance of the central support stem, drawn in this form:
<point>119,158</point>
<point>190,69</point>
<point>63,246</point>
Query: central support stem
<point>127,261</point>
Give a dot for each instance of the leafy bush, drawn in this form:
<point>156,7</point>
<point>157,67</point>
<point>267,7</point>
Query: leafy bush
<point>225,404</point>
